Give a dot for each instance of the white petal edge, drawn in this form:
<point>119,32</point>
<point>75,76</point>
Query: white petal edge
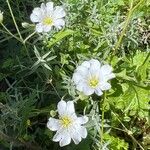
<point>86,64</point>
<point>109,76</point>
<point>83,71</point>
<point>34,18</point>
<point>80,86</point>
<point>59,23</point>
<point>59,12</point>
<point>106,69</point>
<point>83,132</point>
<point>87,90</point>
<point>75,135</point>
<point>47,28</point>
<point>49,7</point>
<point>61,106</point>
<point>66,139</point>
<point>70,107</point>
<point>98,91</point>
<point>94,66</point>
<point>53,124</point>
<point>59,134</point>
<point>105,86</point>
<point>77,77</point>
<point>39,27</point>
<point>82,120</point>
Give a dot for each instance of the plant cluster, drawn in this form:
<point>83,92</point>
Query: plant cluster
<point>75,74</point>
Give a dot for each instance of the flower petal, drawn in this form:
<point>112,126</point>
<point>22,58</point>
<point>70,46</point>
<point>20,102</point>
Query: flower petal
<point>34,18</point>
<point>98,91</point>
<point>53,124</point>
<point>105,86</point>
<point>47,28</point>
<point>59,12</point>
<point>83,71</point>
<point>36,15</point>
<point>58,136</point>
<point>86,64</point>
<point>94,66</point>
<point>49,7</point>
<point>39,27</point>
<point>82,120</point>
<point>70,107</point>
<point>61,107</point>
<point>107,72</point>
<point>87,90</point>
<point>110,76</point>
<point>83,132</point>
<point>80,86</point>
<point>66,139</point>
<point>106,69</point>
<point>75,135</point>
<point>77,77</point>
<point>59,23</point>
<point>43,7</point>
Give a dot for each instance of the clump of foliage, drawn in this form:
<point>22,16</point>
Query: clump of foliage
<point>36,72</point>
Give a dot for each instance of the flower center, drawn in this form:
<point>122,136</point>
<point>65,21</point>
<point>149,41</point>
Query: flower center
<point>47,21</point>
<point>65,121</point>
<point>93,82</point>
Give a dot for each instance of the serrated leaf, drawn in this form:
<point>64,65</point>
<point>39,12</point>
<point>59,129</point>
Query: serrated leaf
<point>139,58</point>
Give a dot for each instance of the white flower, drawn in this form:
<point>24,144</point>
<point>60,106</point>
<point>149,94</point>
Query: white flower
<point>1,17</point>
<point>68,126</point>
<point>91,76</point>
<point>48,16</point>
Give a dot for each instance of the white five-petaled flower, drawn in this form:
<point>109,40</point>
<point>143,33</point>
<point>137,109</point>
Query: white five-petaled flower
<point>48,16</point>
<point>68,126</point>
<point>92,77</point>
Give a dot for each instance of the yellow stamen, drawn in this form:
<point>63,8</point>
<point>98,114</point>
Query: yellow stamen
<point>47,21</point>
<point>93,82</point>
<point>65,121</point>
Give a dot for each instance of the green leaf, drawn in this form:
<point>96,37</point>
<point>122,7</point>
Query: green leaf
<point>123,75</point>
<point>134,100</point>
<point>139,58</point>
<point>116,143</point>
<point>59,36</point>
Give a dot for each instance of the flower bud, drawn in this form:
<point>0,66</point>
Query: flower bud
<point>25,24</point>
<point>1,17</point>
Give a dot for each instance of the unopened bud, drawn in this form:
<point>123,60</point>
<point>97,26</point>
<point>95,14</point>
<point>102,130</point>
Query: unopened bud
<point>1,17</point>
<point>25,25</point>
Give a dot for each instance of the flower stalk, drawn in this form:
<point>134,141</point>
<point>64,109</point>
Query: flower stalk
<point>131,10</point>
<point>103,116</point>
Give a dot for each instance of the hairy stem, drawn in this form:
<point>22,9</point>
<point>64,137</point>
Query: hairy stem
<point>131,10</point>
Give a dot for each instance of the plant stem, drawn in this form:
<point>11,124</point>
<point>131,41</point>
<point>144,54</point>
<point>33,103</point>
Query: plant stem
<point>102,127</point>
<point>10,32</point>
<point>14,20</point>
<point>27,52</point>
<point>21,39</point>
<point>128,132</point>
<point>131,10</point>
<point>29,37</point>
<point>146,59</point>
